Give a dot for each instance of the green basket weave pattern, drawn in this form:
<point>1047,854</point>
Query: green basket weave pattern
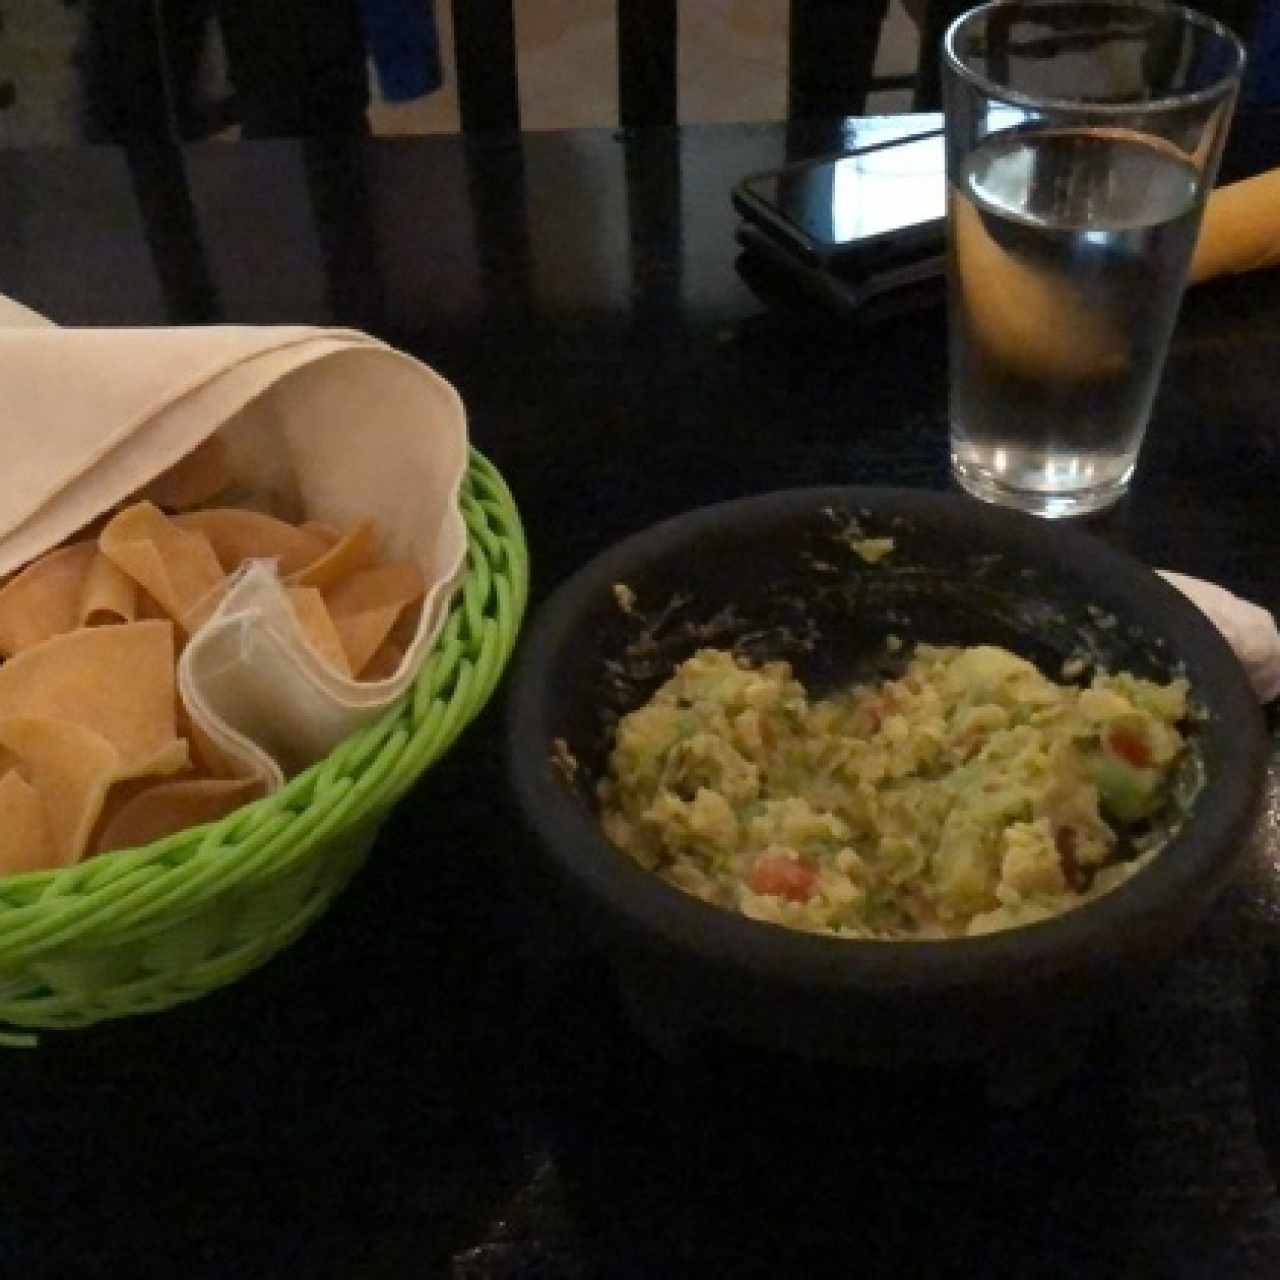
<point>143,929</point>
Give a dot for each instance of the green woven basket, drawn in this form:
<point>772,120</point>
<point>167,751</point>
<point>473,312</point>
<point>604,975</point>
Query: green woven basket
<point>143,929</point>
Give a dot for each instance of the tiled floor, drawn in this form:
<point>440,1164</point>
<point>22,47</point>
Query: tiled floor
<point>732,66</point>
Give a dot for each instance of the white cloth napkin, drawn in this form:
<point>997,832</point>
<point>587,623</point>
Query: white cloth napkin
<point>1249,629</point>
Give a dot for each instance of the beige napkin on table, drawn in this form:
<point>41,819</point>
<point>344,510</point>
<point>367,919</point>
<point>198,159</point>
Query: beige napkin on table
<point>340,424</point>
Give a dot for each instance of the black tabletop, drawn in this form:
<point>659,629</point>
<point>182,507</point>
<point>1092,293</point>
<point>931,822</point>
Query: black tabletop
<point>438,1079</point>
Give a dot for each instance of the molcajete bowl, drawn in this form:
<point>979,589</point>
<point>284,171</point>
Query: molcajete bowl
<point>778,576</point>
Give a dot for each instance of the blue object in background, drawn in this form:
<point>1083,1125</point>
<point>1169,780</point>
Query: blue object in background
<point>1262,75</point>
<point>404,45</point>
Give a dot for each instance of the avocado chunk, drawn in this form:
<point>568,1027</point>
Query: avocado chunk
<point>1127,792</point>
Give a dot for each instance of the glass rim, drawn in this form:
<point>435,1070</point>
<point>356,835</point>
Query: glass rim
<point>1220,88</point>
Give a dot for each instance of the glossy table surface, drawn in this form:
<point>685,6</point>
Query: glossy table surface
<point>438,1079</point>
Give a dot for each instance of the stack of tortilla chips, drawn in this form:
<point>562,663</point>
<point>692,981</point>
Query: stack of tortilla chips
<point>97,751</point>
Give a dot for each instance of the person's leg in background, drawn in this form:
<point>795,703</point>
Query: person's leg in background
<point>298,67</point>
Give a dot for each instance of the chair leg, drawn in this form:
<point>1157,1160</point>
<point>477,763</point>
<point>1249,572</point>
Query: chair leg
<point>297,66</point>
<point>484,39</point>
<point>832,54</point>
<point>937,18</point>
<point>646,63</point>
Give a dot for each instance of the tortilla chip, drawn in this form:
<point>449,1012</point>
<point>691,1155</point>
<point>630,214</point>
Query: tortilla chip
<point>116,681</point>
<point>173,757</point>
<point>329,534</point>
<point>362,635</point>
<point>178,567</point>
<point>203,474</point>
<point>317,627</point>
<point>237,536</point>
<point>107,594</point>
<point>96,749</point>
<point>353,552</point>
<point>405,632</point>
<point>365,607</point>
<point>385,663</point>
<point>165,807</point>
<point>395,584</point>
<point>43,600</point>
<point>70,768</point>
<point>149,607</point>
<point>24,834</point>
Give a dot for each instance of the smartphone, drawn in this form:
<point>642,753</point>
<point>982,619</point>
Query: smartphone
<point>869,209</point>
<point>780,278</point>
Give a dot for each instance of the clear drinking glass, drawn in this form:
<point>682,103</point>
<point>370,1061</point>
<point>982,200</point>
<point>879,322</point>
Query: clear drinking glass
<point>1082,141</point>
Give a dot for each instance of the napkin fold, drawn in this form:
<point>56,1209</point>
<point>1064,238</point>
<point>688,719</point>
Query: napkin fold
<point>335,424</point>
<point>1248,628</point>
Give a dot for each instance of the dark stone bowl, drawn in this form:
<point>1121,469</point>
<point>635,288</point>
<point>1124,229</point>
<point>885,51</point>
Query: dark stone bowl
<point>776,576</point>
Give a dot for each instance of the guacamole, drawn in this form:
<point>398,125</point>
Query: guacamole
<point>970,794</point>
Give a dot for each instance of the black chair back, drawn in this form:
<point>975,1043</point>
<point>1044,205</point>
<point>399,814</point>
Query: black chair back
<point>831,57</point>
<point>488,81</point>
